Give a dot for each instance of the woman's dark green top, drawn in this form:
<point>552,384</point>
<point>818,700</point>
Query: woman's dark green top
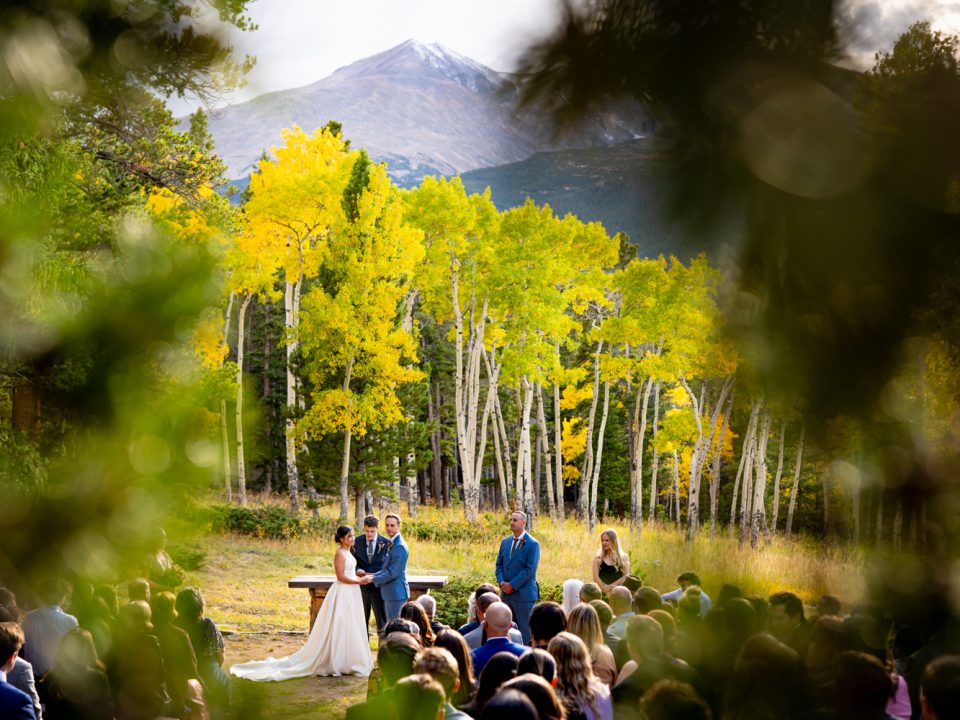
<point>609,573</point>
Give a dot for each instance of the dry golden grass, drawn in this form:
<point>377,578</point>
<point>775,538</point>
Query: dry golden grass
<point>245,578</point>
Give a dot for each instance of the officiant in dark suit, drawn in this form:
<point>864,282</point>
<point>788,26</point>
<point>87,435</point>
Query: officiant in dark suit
<point>370,552</point>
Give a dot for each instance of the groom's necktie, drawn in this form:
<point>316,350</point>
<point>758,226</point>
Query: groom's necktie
<point>514,546</point>
<point>369,549</point>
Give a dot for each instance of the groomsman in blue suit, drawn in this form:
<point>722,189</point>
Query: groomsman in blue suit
<point>370,552</point>
<point>392,577</point>
<point>517,564</point>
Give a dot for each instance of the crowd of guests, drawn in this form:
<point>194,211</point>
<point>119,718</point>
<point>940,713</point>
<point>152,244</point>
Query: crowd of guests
<point>156,656</point>
<point>618,649</point>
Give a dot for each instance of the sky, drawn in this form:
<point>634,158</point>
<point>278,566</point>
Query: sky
<point>301,41</point>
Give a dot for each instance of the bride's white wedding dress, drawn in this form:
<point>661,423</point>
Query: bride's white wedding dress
<point>338,643</point>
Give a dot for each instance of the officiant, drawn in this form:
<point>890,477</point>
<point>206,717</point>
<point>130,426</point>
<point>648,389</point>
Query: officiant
<point>370,553</point>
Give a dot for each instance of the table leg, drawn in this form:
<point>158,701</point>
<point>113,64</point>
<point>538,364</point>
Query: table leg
<point>316,600</point>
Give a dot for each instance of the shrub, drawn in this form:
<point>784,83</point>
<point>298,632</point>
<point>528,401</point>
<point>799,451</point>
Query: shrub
<point>189,557</point>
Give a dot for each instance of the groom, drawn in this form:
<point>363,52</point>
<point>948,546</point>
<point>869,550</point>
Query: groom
<point>392,577</point>
<point>370,552</point>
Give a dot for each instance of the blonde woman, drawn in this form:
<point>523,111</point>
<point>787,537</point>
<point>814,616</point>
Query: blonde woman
<point>610,565</point>
<point>584,622</point>
<point>584,697</point>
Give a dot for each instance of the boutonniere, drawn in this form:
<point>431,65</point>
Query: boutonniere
<point>521,543</point>
<point>381,545</point>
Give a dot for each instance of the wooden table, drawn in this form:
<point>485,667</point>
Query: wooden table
<point>318,585</point>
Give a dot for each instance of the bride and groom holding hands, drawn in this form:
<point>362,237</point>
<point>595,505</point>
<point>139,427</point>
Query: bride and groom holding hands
<point>371,575</point>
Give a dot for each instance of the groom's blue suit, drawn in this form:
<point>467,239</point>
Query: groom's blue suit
<point>519,568</point>
<point>392,578</point>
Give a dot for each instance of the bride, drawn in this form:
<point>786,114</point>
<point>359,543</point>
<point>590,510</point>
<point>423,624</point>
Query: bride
<point>338,643</point>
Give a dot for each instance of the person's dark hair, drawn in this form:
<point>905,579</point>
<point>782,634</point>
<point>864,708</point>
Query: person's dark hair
<point>511,704</point>
<point>690,577</point>
<point>440,665</point>
<point>590,591</point>
<point>863,685</point>
<point>108,593</point>
<point>647,599</point>
<point>673,700</point>
<point>537,661</point>
<point>163,608</point>
<point>52,591</point>
<point>500,668</point>
<point>395,657</point>
<point>539,691</point>
<point>486,600</point>
<point>8,615</point>
<point>341,533</point>
<point>402,625</point>
<point>728,591</point>
<point>485,588</point>
<point>190,605</point>
<point>792,605</point>
<point>371,521</point>
<point>604,612</point>
<point>940,685</point>
<point>9,601</point>
<point>11,640</point>
<point>632,583</point>
<point>414,612</point>
<point>741,618</point>
<point>829,605</point>
<point>760,612</point>
<point>547,619</point>
<point>453,642</point>
<point>418,697</point>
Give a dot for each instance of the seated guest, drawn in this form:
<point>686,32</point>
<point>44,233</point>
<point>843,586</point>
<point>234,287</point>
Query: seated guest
<point>135,666</point>
<point>718,661</point>
<point>645,643</point>
<point>940,688</point>
<point>108,594</point>
<point>21,674</point>
<point>77,687</point>
<point>728,591</point>
<point>829,606</point>
<point>590,592</point>
<point>787,623</point>
<point>621,603</point>
<point>394,662</point>
<point>546,620</point>
<point>672,700</point>
<point>540,692</point>
<point>419,697</point>
<point>14,704</point>
<point>511,704</point>
<point>571,593</point>
<point>453,642</point>
<point>477,637</point>
<point>473,623</point>
<point>582,694</point>
<point>685,580</point>
<point>605,616</point>
<point>9,600</point>
<point>537,661</point>
<point>768,681</point>
<point>611,565</point>
<point>138,590</point>
<point>863,687</point>
<point>584,623</point>
<point>158,567</point>
<point>44,628</point>
<point>500,668</point>
<point>179,660</point>
<point>647,599</point>
<point>690,634</point>
<point>441,666</point>
<point>208,647</point>
<point>497,620</point>
<point>669,627</point>
<point>413,611</point>
<point>429,605</point>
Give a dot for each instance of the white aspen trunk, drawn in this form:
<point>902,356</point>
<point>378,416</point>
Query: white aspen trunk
<point>347,437</point>
<point>493,373</point>
<point>501,471</point>
<point>636,482</point>
<point>595,480</point>
<point>557,433</point>
<point>291,322</point>
<point>676,488</point>
<point>693,492</point>
<point>545,448</point>
<point>524,469</point>
<point>241,462</point>
<point>776,481</point>
<point>744,457</point>
<point>493,376</point>
<point>655,460</point>
<point>796,484</point>
<point>760,482</point>
<point>715,473</point>
<point>586,471</point>
<point>395,483</point>
<point>224,433</point>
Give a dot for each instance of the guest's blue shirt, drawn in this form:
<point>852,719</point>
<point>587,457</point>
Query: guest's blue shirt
<point>494,645</point>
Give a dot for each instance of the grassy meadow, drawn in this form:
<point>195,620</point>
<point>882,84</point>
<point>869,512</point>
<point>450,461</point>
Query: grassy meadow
<point>244,578</point>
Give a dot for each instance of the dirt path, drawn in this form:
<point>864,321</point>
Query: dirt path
<point>317,698</point>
